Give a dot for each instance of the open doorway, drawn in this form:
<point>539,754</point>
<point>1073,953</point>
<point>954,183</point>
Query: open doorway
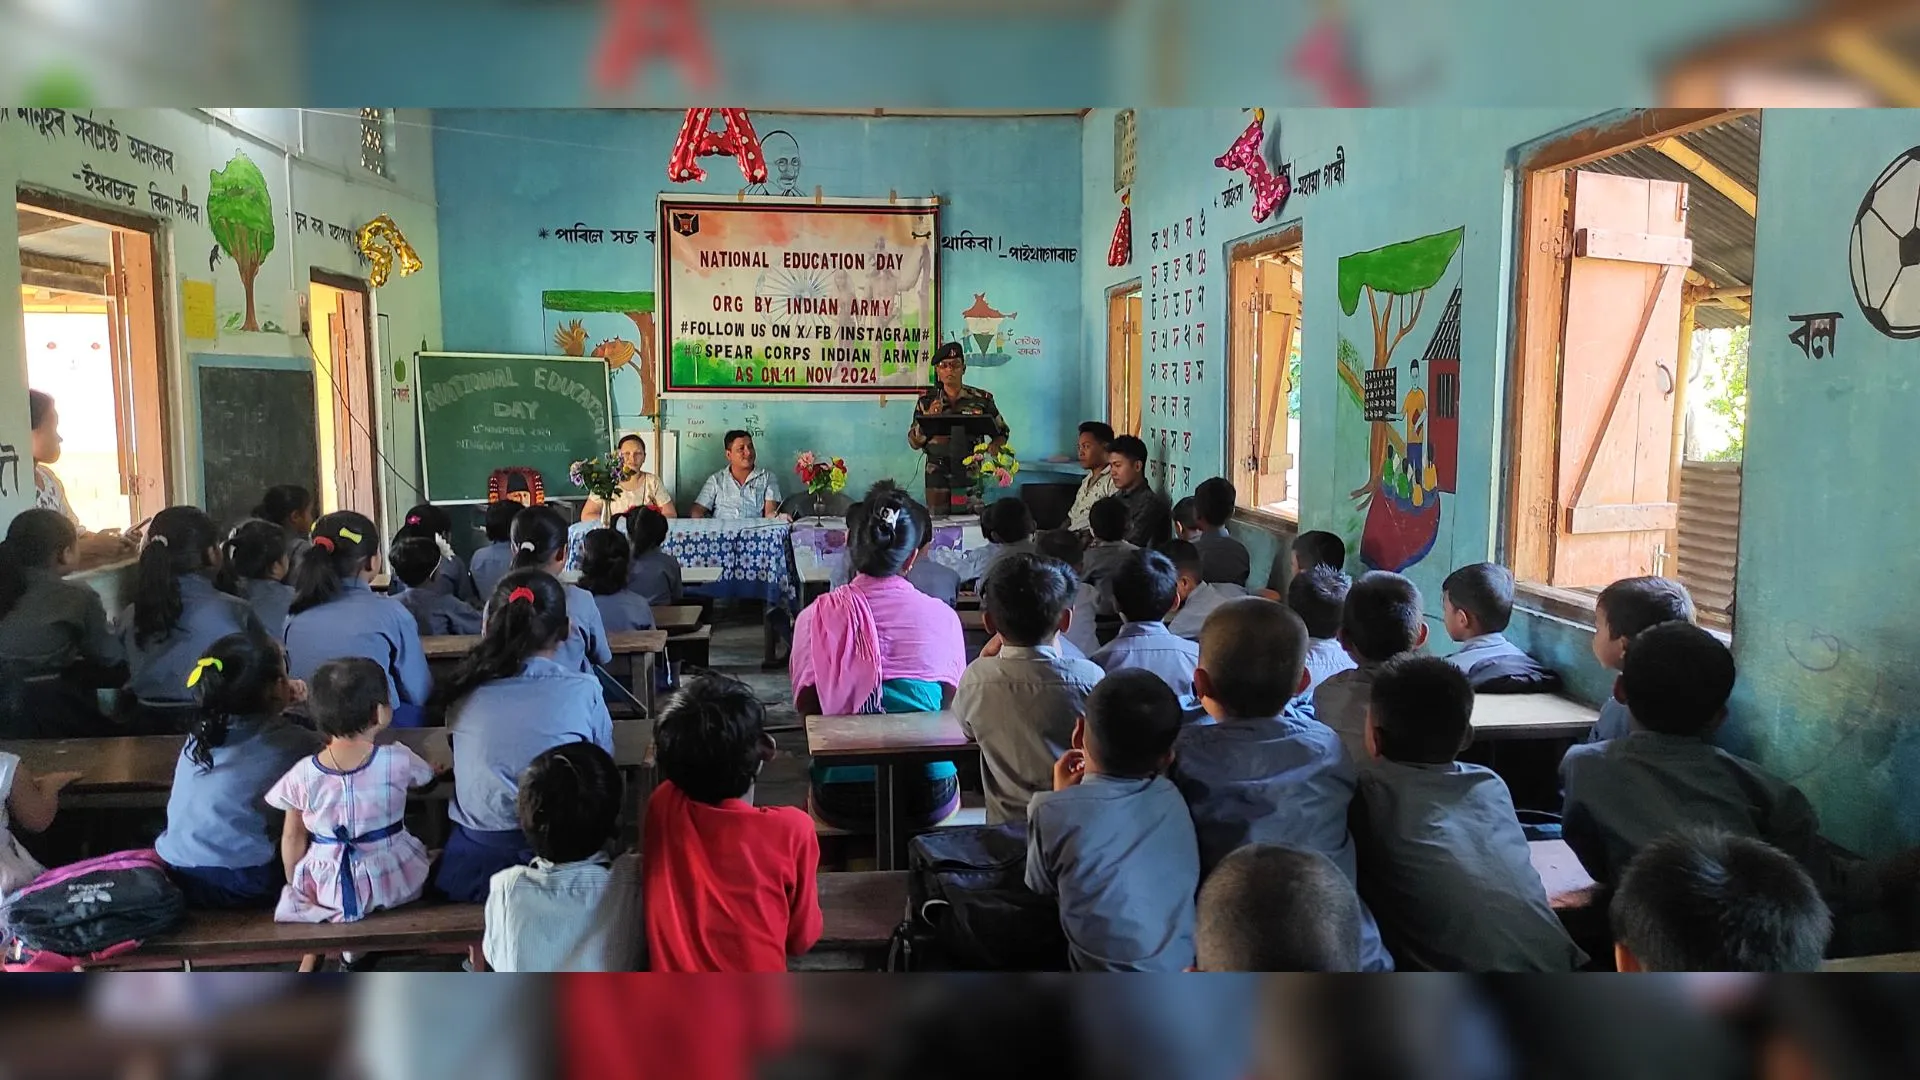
<point>1629,407</point>
<point>343,384</point>
<point>90,299</point>
<point>1124,335</point>
<point>1264,288</point>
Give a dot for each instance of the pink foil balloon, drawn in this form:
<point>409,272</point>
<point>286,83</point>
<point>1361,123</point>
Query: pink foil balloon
<point>1270,192</point>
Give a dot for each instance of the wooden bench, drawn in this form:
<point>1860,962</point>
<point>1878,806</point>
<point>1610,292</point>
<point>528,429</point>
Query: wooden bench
<point>137,770</point>
<point>688,642</point>
<point>633,653</point>
<point>859,912</point>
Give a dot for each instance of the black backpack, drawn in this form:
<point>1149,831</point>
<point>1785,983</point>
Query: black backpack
<point>91,910</point>
<point>969,908</point>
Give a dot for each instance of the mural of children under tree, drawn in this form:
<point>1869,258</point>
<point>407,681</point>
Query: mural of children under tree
<point>579,324</point>
<point>1413,435</point>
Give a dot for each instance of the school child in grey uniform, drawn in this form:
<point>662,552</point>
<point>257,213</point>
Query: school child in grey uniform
<point>1108,549</point>
<point>1708,900</point>
<point>337,614</point>
<point>540,543</point>
<point>1113,840</point>
<point>1624,793</point>
<point>55,648</point>
<point>605,562</point>
<point>1083,631</point>
<point>435,613</point>
<point>1222,558</point>
<point>1021,704</point>
<point>1273,908</point>
<point>257,557</point>
<point>1444,864</point>
<point>1318,595</point>
<point>1265,771</point>
<point>1477,605</point>
<point>177,613</point>
<point>1622,610</point>
<point>1381,620</point>
<point>491,563</point>
<point>654,575</point>
<point>1144,590</point>
<point>221,841</point>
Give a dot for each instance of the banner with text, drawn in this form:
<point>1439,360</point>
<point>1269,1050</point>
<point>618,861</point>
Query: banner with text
<point>835,297</point>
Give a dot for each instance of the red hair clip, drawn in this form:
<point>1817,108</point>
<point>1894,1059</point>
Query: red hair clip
<point>325,543</point>
<point>413,519</point>
<point>521,593</point>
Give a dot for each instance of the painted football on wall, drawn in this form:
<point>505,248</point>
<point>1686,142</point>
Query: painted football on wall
<point>1885,259</point>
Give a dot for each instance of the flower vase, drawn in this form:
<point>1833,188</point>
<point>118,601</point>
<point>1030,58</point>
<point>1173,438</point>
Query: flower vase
<point>819,509</point>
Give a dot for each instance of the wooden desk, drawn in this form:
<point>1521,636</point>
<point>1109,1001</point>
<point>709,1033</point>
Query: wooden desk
<point>1567,881</point>
<point>887,741</point>
<point>972,619</point>
<point>1530,716</point>
<point>137,770</point>
<point>633,652</point>
<point>676,618</point>
<point>1904,962</point>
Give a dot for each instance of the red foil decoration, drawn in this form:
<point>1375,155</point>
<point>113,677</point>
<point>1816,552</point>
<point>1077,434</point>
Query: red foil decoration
<point>697,140</point>
<point>1121,251</point>
<point>637,29</point>
<point>1270,192</point>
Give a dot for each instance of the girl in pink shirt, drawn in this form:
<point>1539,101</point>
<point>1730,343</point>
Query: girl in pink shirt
<point>879,645</point>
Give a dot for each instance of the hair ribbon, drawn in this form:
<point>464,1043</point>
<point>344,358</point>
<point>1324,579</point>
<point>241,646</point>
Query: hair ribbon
<point>324,543</point>
<point>349,534</point>
<point>199,669</point>
<point>519,594</point>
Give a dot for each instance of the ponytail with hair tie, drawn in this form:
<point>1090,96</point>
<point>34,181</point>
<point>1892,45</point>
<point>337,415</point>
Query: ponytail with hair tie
<point>324,543</point>
<point>339,551</point>
<point>520,594</point>
<point>526,614</point>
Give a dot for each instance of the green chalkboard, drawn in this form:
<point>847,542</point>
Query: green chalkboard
<point>480,412</point>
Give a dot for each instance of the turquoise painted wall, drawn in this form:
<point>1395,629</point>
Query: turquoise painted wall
<point>1826,635</point>
<point>502,176</point>
<point>1827,586</point>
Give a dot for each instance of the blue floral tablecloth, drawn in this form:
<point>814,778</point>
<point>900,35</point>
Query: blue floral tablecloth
<point>754,558</point>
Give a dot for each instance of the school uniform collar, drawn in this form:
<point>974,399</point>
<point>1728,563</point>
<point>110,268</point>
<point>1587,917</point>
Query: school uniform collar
<point>198,583</point>
<point>545,667</point>
<point>355,584</point>
<point>1135,783</point>
<point>1483,641</point>
<point>1219,532</point>
<point>1155,628</point>
<point>1048,651</point>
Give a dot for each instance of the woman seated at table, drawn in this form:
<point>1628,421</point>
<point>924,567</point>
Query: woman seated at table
<point>640,488</point>
<point>879,645</point>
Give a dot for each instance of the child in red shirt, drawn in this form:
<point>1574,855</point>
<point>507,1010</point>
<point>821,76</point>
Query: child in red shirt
<point>728,886</point>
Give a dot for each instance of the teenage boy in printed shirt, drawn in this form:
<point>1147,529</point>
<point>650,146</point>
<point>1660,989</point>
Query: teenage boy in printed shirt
<point>1095,437</point>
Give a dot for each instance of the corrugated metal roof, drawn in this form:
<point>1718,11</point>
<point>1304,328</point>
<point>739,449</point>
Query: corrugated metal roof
<point>1722,233</point>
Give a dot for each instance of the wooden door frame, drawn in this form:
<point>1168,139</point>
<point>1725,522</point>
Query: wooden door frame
<point>1111,294</point>
<point>349,283</point>
<point>118,220</point>
<point>1532,446</point>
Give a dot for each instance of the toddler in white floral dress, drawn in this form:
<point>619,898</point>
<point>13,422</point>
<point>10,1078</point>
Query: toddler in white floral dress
<point>345,846</point>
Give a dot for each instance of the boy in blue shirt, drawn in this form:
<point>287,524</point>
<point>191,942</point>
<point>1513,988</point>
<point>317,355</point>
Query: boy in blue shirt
<point>1707,900</point>
<point>1273,908</point>
<point>1318,595</point>
<point>1477,605</point>
<point>1265,771</point>
<point>1625,608</point>
<point>1107,550</point>
<point>1143,589</point>
<point>1113,840</point>
<point>1381,620</point>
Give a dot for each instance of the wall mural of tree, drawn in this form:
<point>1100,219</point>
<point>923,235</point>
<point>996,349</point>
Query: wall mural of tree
<point>240,212</point>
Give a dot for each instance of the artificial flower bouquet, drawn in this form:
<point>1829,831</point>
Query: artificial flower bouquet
<point>601,476</point>
<point>995,462</point>
<point>821,474</point>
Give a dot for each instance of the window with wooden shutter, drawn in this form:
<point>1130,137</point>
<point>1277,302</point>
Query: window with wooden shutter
<point>1264,293</point>
<point>1619,353</point>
